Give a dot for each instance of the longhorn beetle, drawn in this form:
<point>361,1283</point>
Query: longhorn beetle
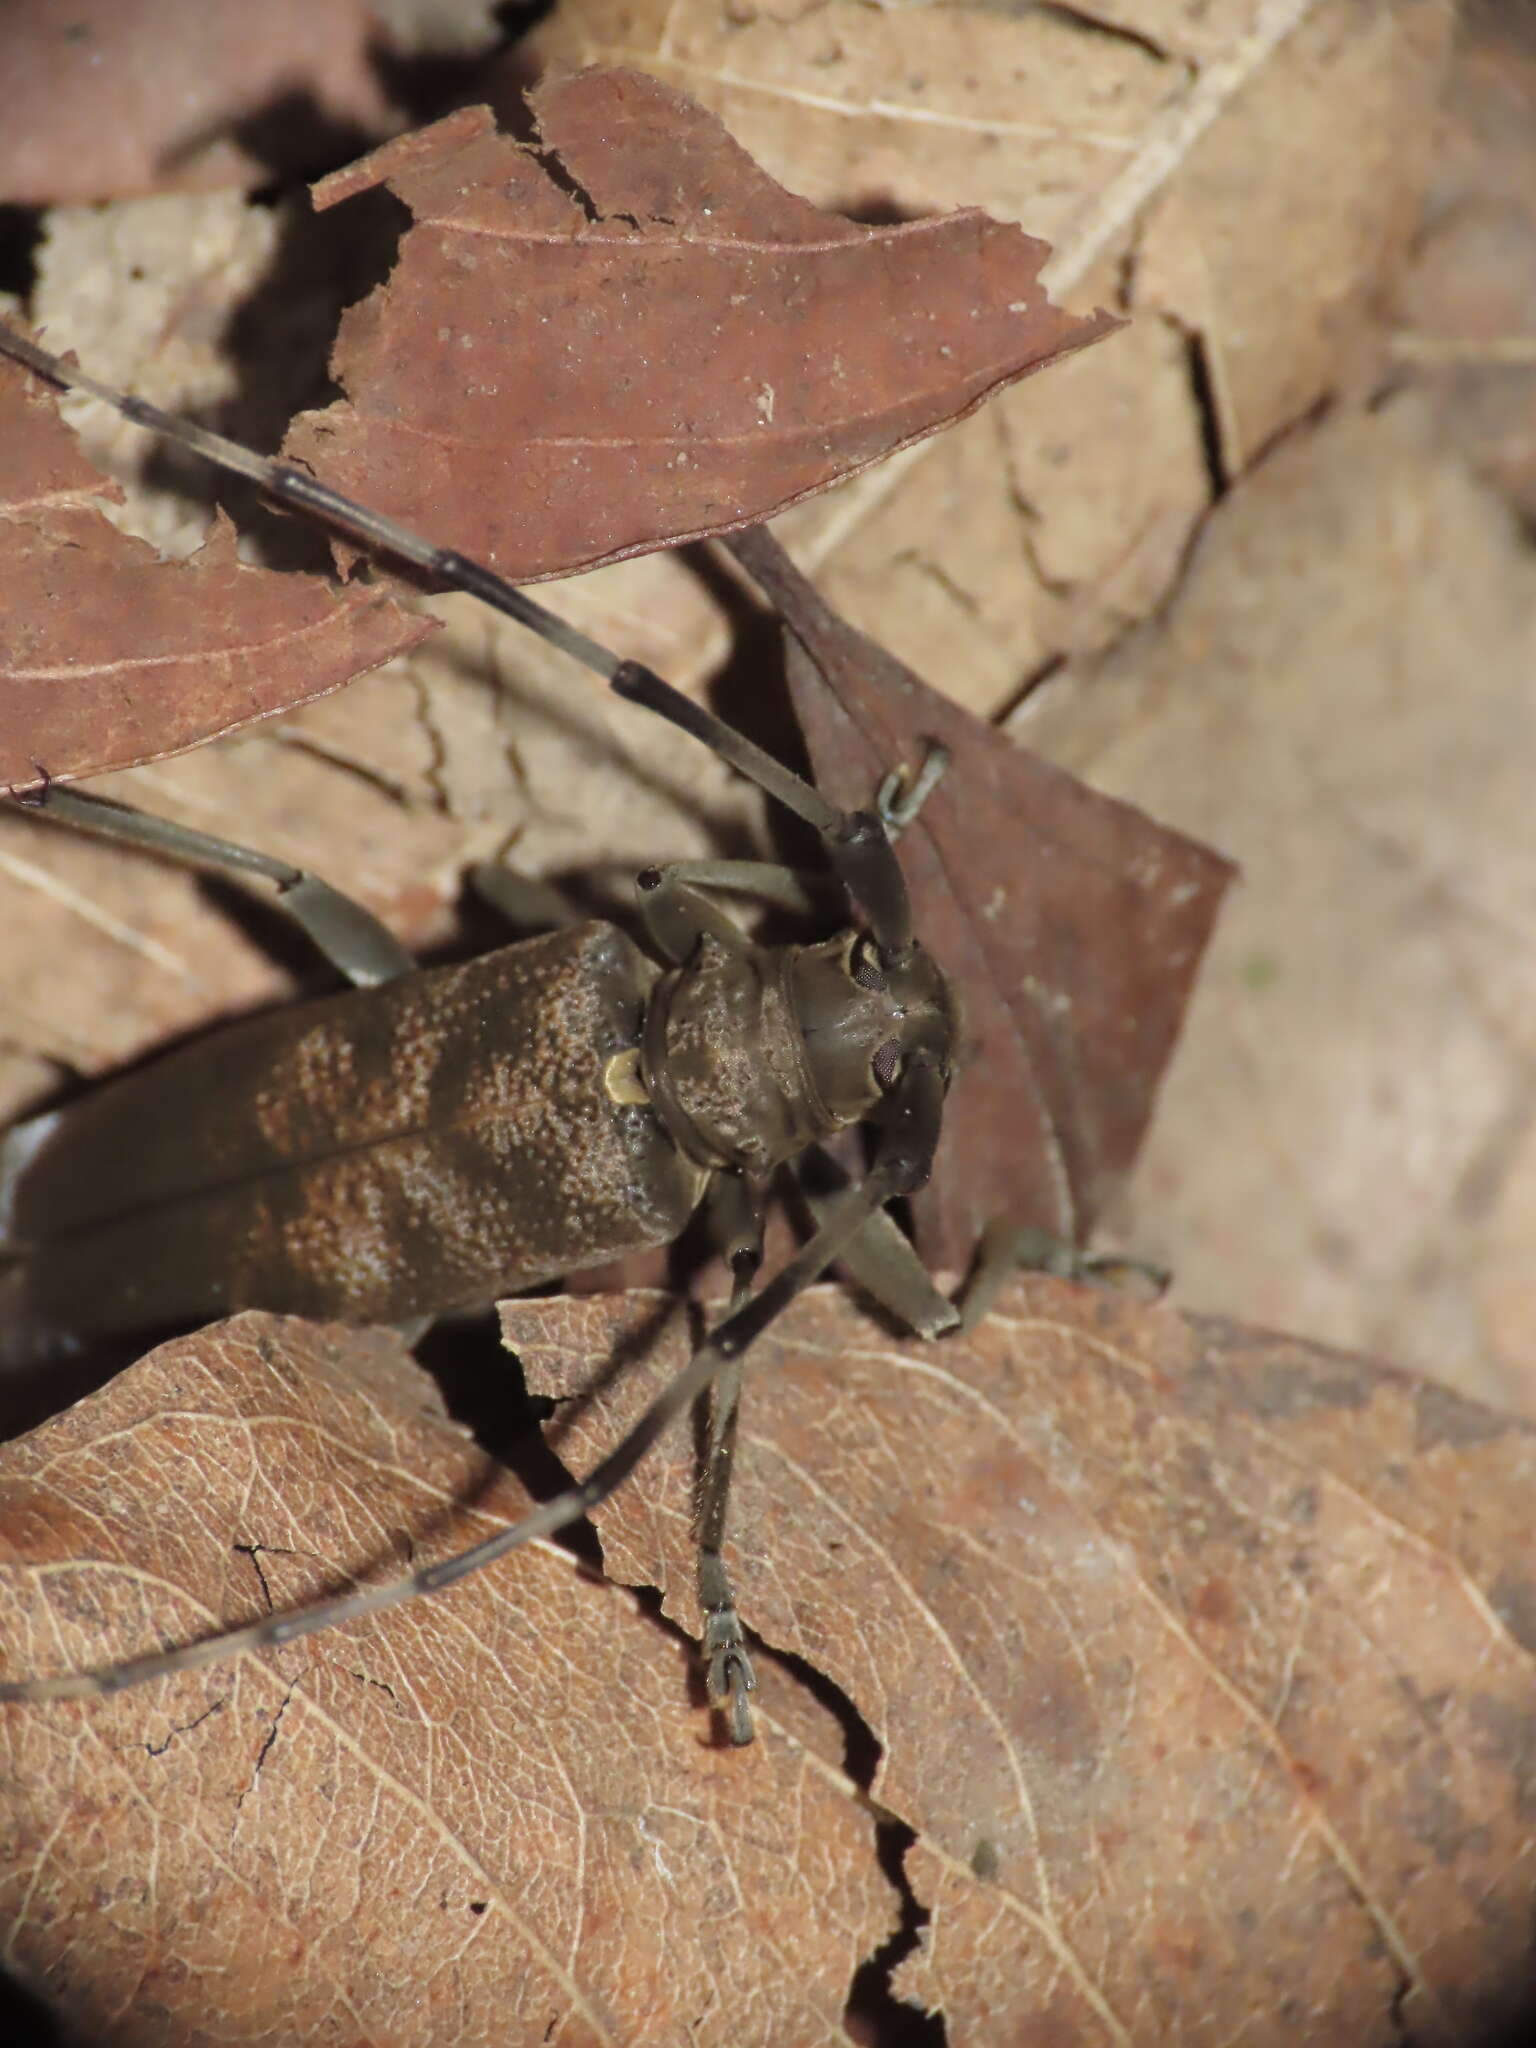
<point>430,1139</point>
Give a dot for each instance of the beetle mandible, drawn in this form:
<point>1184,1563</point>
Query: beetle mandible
<point>433,1138</point>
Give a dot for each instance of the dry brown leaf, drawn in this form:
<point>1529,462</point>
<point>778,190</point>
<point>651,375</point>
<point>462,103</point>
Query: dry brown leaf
<point>1200,1664</point>
<point>705,351</point>
<point>110,97</point>
<point>491,1820</point>
<point>556,378</point>
<point>1199,1661</point>
<point>1072,925</point>
<point>1341,696</point>
<point>1242,175</point>
<point>112,656</point>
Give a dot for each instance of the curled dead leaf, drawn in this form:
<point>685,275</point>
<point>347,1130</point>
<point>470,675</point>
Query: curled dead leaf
<point>1072,925</point>
<point>110,655</point>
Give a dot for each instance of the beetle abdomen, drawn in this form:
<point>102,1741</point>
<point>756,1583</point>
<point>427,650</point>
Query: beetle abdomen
<point>374,1156</point>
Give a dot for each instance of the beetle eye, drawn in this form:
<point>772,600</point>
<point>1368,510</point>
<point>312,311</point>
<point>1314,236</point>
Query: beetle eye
<point>864,966</point>
<point>887,1062</point>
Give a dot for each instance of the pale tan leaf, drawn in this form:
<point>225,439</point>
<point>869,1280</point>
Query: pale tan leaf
<point>1467,310</point>
<point>1341,697</point>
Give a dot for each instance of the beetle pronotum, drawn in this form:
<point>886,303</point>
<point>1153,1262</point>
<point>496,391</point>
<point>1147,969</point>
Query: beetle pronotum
<point>612,1095</point>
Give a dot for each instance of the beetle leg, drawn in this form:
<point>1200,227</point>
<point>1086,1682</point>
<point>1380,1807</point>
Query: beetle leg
<point>769,880</point>
<point>677,916</point>
<point>728,1674</point>
<point>881,1259</point>
<point>886,1266</point>
<point>1006,1249</point>
<point>349,937</point>
<point>677,913</point>
<point>527,904</point>
<point>737,1204</point>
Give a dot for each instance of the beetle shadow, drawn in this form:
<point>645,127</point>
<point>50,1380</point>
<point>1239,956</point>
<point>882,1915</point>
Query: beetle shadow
<point>35,1388</point>
<point>484,1387</point>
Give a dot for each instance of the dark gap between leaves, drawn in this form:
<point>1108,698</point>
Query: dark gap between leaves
<point>483,1387</point>
<point>427,84</point>
<point>1203,390</point>
<point>292,135</point>
<point>1515,2029</point>
<point>874,2015</point>
<point>21,235</point>
<point>1088,23</point>
<point>25,2020</point>
<point>278,341</point>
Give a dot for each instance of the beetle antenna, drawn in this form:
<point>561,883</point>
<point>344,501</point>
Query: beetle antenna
<point>909,1131</point>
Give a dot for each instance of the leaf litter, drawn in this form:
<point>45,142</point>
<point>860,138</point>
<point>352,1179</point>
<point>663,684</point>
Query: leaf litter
<point>379,790</point>
<point>873,336</point>
<point>1245,178</point>
<point>191,1434</point>
<point>1195,1659</point>
<point>542,389</point>
<point>1048,521</point>
<point>966,1977</point>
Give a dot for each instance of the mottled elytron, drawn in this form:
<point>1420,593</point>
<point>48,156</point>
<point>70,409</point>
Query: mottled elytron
<point>429,1139</point>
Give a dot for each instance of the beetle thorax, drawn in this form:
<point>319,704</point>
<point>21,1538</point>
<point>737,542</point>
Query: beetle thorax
<point>752,1053</point>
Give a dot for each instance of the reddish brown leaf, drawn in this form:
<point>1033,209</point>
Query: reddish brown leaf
<point>483,1822</point>
<point>110,655</point>
<point>1072,925</point>
<point>1199,1661</point>
<point>106,100</point>
<point>550,381</point>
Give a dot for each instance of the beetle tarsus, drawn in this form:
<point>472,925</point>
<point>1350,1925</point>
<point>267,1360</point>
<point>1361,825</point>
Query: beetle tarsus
<point>728,1675</point>
<point>898,801</point>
